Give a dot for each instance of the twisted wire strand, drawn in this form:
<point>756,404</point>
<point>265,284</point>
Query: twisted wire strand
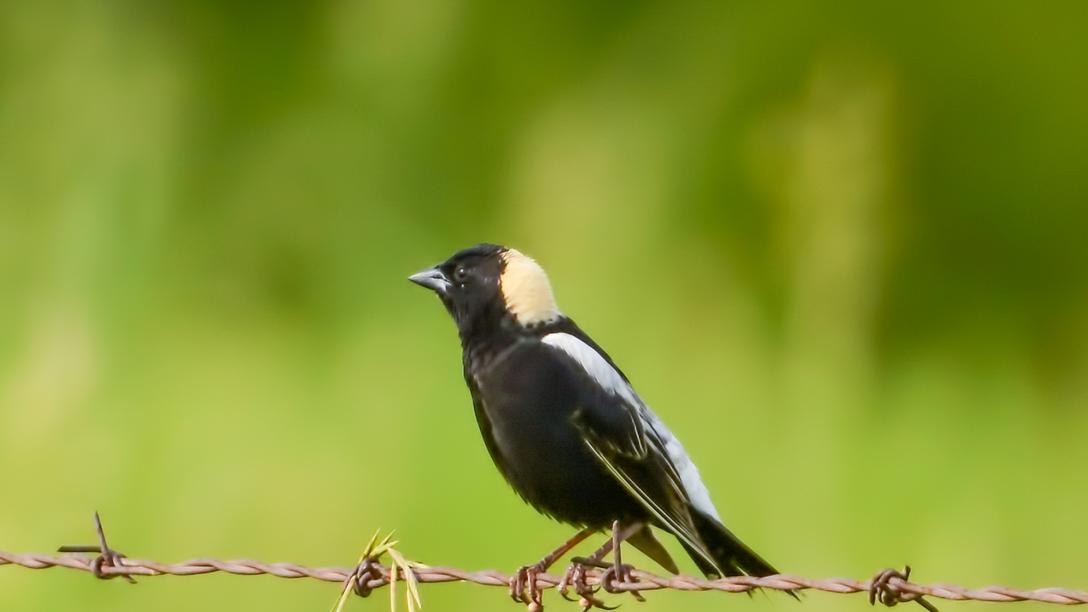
<point>645,581</point>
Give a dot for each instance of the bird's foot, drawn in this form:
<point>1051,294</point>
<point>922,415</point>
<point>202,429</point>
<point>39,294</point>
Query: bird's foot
<point>523,587</point>
<point>617,575</point>
<point>525,578</point>
<point>575,578</point>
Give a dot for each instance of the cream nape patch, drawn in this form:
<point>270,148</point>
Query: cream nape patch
<point>526,290</point>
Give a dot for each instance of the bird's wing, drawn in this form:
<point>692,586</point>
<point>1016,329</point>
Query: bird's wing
<point>633,444</point>
<point>611,408</point>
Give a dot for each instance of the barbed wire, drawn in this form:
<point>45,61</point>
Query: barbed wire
<point>889,587</point>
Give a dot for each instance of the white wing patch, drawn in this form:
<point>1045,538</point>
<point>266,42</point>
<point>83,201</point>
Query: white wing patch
<point>596,366</point>
<point>689,474</point>
<point>608,378</point>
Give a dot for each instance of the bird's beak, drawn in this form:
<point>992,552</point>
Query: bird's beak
<point>433,279</point>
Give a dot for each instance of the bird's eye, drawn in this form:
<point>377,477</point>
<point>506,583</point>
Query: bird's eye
<point>460,274</point>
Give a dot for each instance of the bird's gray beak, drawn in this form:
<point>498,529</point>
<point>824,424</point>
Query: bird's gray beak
<point>433,279</point>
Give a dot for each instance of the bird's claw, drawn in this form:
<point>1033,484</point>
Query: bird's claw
<point>575,577</point>
<point>620,573</point>
<point>523,587</point>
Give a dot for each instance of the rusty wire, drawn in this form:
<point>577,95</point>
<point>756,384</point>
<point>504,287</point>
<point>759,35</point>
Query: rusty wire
<point>889,587</point>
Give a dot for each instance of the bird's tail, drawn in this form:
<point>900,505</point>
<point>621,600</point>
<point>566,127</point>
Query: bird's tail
<point>732,556</point>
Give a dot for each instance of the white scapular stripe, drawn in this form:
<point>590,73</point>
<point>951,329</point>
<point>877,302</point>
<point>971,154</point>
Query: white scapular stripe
<point>608,378</point>
<point>596,366</point>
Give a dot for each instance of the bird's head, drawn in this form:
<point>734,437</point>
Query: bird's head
<point>487,284</point>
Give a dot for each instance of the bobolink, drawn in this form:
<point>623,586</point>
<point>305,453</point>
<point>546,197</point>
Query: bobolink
<point>567,430</point>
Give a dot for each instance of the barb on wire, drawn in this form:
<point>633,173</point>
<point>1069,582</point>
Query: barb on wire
<point>361,579</point>
<point>884,587</point>
<point>889,587</point>
<point>107,557</point>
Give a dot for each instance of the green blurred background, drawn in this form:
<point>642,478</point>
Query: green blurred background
<point>840,249</point>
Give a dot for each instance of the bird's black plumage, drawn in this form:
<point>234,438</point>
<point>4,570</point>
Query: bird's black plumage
<point>562,422</point>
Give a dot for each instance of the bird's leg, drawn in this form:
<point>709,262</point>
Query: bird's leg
<point>526,574</point>
<point>619,571</point>
<point>576,574</point>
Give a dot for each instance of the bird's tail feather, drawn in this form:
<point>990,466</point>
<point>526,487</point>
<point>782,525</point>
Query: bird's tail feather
<point>645,541</point>
<point>732,556</point>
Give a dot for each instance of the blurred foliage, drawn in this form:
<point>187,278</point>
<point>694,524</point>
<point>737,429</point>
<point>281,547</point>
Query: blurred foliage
<point>840,248</point>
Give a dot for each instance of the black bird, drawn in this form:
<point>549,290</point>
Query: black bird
<point>567,430</point>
